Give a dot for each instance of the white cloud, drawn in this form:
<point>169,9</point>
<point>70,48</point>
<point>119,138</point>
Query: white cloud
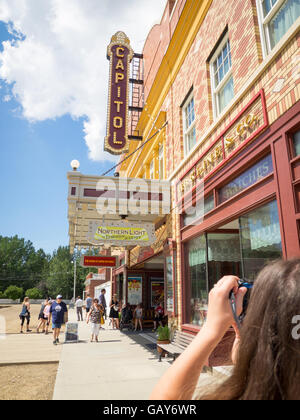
<point>56,64</point>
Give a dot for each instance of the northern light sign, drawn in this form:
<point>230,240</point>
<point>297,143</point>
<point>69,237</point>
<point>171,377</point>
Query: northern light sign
<point>121,233</point>
<point>120,54</point>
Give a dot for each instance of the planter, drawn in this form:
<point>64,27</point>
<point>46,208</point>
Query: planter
<point>159,349</point>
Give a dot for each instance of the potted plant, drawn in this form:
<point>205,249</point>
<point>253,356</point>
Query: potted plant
<point>163,337</point>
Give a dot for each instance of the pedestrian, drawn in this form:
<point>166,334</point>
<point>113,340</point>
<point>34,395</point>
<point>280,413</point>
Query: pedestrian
<point>57,311</point>
<point>79,305</point>
<point>88,305</point>
<point>158,316</point>
<point>25,314</point>
<point>47,315</point>
<point>41,319</point>
<point>138,315</point>
<point>96,316</point>
<point>266,350</point>
<point>102,301</point>
<point>114,312</point>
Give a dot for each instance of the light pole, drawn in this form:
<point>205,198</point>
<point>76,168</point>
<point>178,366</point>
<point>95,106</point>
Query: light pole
<point>75,266</point>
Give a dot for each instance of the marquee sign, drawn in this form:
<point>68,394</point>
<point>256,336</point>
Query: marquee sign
<point>250,122</point>
<point>121,233</point>
<point>120,54</point>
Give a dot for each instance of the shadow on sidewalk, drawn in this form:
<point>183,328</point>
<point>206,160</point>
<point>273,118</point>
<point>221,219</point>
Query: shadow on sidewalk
<point>141,341</point>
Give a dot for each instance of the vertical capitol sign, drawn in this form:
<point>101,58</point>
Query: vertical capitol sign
<point>120,54</point>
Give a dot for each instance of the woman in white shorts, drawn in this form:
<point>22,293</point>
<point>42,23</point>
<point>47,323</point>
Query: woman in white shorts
<point>95,314</point>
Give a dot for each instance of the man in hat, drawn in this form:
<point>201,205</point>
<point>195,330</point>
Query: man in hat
<point>57,312</point>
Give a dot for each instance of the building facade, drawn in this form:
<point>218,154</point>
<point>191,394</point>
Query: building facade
<point>221,100</point>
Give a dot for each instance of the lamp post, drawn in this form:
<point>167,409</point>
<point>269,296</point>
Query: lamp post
<point>75,267</point>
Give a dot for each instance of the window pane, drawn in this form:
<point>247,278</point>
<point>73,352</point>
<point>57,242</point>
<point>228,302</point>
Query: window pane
<point>267,6</point>
<point>189,114</point>
<point>261,238</point>
<point>224,256</point>
<point>296,142</point>
<point>198,294</point>
<point>169,278</point>
<point>191,139</point>
<point>199,210</point>
<point>225,95</point>
<point>222,64</point>
<point>283,20</point>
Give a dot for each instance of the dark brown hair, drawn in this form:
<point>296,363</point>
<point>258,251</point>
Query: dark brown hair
<point>268,361</point>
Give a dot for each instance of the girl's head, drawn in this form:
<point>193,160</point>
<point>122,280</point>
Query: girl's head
<point>26,300</point>
<point>96,301</point>
<point>268,359</point>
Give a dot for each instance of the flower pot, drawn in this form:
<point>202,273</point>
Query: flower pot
<point>159,349</point>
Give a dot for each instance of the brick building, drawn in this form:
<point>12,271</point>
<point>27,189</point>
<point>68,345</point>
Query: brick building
<point>93,280</point>
<point>225,76</point>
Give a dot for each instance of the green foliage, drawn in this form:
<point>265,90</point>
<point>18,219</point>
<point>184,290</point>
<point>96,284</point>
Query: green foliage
<point>2,295</point>
<point>163,333</point>
<point>22,266</point>
<point>13,292</point>
<point>34,293</point>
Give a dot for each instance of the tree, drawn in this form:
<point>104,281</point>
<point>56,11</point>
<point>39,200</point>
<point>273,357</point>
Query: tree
<point>13,292</point>
<point>34,293</point>
<point>61,273</point>
<point>20,264</point>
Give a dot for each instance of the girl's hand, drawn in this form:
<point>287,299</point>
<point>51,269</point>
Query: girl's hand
<point>220,316</point>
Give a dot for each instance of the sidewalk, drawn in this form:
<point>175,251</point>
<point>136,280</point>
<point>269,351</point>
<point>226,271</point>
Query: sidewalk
<point>120,367</point>
<point>115,368</point>
<point>28,349</point>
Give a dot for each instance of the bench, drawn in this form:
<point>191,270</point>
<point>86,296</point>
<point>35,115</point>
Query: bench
<point>177,346</point>
<point>148,318</point>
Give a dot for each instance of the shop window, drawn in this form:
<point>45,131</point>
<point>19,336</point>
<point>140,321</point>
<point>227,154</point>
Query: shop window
<point>261,238</point>
<point>276,17</point>
<point>221,77</point>
<point>257,172</point>
<point>198,293</point>
<point>224,256</point>
<point>242,248</point>
<point>202,207</point>
<point>189,125</point>
<point>296,144</point>
<point>170,276</point>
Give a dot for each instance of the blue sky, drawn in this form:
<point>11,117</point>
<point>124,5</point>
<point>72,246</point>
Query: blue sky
<point>41,132</point>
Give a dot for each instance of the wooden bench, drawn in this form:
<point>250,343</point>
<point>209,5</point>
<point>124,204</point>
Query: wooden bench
<point>177,346</point>
<point>148,318</point>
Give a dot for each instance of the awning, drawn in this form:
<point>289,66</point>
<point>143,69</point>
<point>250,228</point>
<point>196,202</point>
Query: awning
<point>114,211</point>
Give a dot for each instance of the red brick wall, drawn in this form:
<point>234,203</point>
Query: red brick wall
<point>241,18</point>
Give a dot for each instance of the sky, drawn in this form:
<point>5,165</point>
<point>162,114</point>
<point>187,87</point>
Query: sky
<point>53,103</point>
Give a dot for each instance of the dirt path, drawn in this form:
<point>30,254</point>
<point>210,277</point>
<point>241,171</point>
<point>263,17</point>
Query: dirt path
<point>27,382</point>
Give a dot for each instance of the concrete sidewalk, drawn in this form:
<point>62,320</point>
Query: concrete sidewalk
<point>28,348</point>
<point>120,367</point>
<point>115,368</point>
